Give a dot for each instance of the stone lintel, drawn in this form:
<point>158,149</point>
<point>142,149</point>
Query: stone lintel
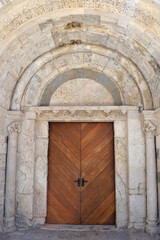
<point>81,113</point>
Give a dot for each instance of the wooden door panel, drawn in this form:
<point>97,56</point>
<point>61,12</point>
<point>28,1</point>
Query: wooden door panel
<point>98,216</point>
<point>69,141</point>
<point>89,134</point>
<point>93,170</point>
<point>69,152</point>
<point>63,200</point>
<point>95,191</point>
<point>97,167</point>
<point>97,149</point>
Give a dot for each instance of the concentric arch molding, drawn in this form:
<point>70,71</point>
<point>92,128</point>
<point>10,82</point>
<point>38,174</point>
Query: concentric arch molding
<point>19,12</point>
<point>35,79</point>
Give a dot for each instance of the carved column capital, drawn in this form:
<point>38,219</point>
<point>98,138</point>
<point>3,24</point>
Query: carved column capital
<point>149,128</point>
<point>14,127</point>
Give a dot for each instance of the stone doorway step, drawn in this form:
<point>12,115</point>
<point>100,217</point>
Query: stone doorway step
<point>83,228</point>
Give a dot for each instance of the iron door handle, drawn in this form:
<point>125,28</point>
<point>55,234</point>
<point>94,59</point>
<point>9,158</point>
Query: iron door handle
<point>78,181</point>
<point>83,181</point>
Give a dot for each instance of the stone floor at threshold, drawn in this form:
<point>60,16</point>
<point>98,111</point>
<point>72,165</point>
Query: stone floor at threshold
<point>56,232</point>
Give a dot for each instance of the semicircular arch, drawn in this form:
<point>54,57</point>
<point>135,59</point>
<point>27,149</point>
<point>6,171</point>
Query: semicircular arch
<point>61,61</point>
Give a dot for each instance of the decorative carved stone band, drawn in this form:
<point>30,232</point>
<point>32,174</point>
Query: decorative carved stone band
<point>81,113</point>
<point>150,130</point>
<point>13,130</point>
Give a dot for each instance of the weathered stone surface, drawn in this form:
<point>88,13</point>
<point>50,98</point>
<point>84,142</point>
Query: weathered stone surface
<point>77,233</point>
<point>25,170</point>
<point>37,82</point>
<point>101,61</point>
<point>77,53</point>
<point>57,85</point>
<point>80,92</point>
<point>132,9</point>
<point>3,150</point>
<point>121,173</point>
<point>136,171</point>
<point>40,188</point>
<point>41,169</point>
<point>137,211</point>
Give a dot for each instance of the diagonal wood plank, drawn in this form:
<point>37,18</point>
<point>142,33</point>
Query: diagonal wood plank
<point>68,132</point>
<point>103,212</point>
<point>67,151</point>
<point>63,196</point>
<point>94,198</point>
<point>97,150</point>
<point>93,129</point>
<point>86,128</point>
<point>96,191</point>
<point>67,141</point>
<point>97,167</point>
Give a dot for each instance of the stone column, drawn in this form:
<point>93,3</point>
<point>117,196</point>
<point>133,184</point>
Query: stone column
<point>120,140</point>
<point>3,149</point>
<point>41,168</point>
<point>150,129</point>
<point>13,130</point>
<point>136,172</point>
<point>25,170</point>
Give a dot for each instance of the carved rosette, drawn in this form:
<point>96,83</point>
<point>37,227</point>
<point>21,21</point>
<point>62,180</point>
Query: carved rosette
<point>149,128</point>
<point>14,128</point>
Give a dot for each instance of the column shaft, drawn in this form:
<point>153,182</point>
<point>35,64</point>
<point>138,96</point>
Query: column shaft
<point>151,178</point>
<point>11,175</point>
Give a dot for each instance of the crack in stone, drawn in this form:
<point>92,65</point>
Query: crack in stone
<point>121,179</point>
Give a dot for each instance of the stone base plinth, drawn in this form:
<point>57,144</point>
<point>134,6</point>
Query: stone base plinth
<point>152,227</point>
<point>10,224</point>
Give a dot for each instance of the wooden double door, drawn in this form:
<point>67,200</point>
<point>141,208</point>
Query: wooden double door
<point>81,185</point>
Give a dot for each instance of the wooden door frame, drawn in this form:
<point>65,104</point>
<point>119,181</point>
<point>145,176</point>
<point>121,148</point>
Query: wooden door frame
<point>117,115</point>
